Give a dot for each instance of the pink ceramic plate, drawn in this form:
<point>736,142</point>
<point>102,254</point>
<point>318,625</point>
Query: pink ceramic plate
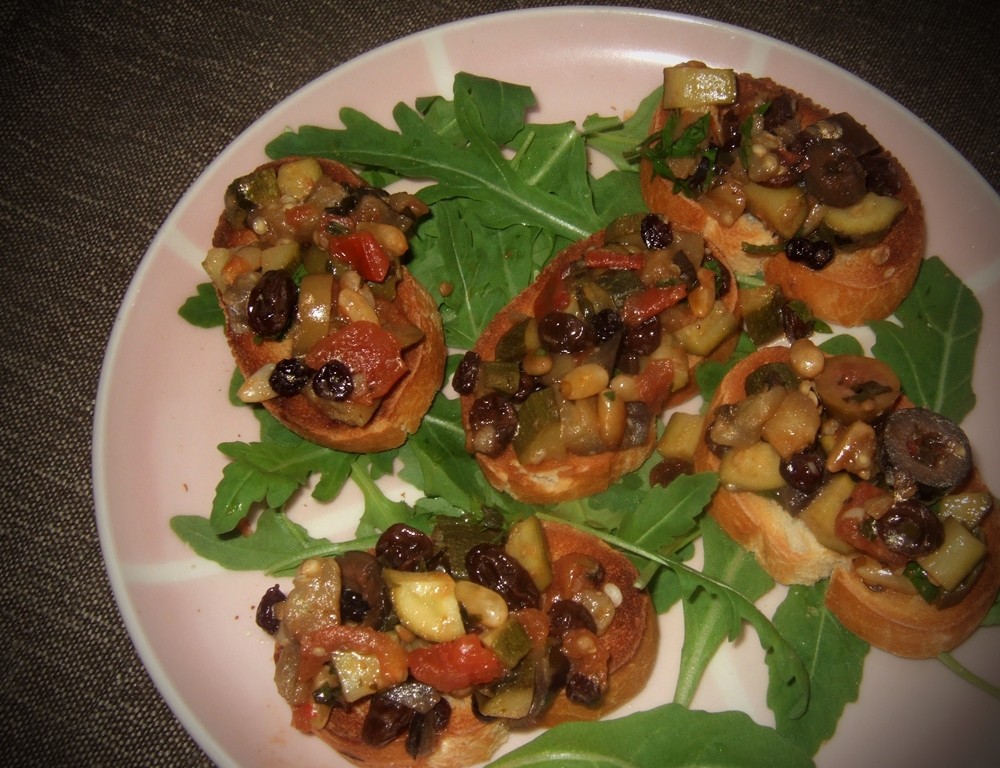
<point>162,405</point>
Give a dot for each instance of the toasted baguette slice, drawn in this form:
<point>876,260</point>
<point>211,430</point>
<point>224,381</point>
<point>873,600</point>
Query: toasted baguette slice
<point>901,623</point>
<point>632,641</point>
<point>576,476</point>
<point>400,412</point>
<point>859,285</point>
<point>783,545</point>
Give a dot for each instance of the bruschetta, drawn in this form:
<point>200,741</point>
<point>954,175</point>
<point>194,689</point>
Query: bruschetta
<point>561,391</point>
<point>428,650</point>
<point>780,185</point>
<point>827,471</point>
<point>332,333</point>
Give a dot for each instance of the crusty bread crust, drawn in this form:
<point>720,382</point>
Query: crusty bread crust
<point>783,545</point>
<point>858,286</point>
<point>401,410</point>
<point>632,641</point>
<point>466,740</point>
<point>903,624</point>
<point>574,477</point>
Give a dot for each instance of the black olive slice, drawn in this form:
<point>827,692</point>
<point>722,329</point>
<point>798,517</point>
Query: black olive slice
<point>910,528</point>
<point>924,447</point>
<point>833,174</point>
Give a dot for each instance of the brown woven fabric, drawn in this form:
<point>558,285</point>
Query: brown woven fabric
<point>110,110</point>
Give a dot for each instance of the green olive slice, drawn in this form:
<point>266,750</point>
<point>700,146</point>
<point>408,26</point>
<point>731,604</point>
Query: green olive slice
<point>857,388</point>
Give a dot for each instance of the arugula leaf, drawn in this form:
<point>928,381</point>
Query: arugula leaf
<point>835,658</point>
<point>202,309</point>
<point>269,473</point>
<point>484,272</point>
<point>933,346</point>
<point>477,170</point>
<point>616,138</point>
<point>707,619</point>
<point>668,736</point>
<point>434,459</point>
<point>274,540</point>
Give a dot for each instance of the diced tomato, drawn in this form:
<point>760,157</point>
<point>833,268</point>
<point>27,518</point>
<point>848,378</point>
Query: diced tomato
<point>655,382</point>
<point>552,297</point>
<point>650,302</point>
<point>303,217</point>
<point>456,664</point>
<point>234,267</point>
<point>603,258</point>
<point>302,715</point>
<point>363,252</point>
<point>368,350</point>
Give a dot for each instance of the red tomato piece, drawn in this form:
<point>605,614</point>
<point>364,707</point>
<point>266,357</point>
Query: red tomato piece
<point>363,252</point>
<point>552,297</point>
<point>602,258</point>
<point>456,664</point>
<point>303,218</point>
<point>650,302</point>
<point>302,715</point>
<point>369,351</point>
<point>655,382</point>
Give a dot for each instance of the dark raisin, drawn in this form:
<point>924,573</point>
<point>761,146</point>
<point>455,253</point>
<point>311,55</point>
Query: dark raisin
<point>701,172</point>
<point>730,131</point>
<point>271,303</point>
<point>822,255</point>
<point>779,111</point>
<point>353,606</point>
<point>881,175</point>
<point>804,471</point>
<point>643,338</point>
<point>493,423</point>
<point>657,233</point>
<point>565,615</point>
<point>583,689</point>
<point>490,566</point>
<point>404,548</point>
<point>606,324</point>
<point>628,361</point>
<point>334,381</point>
<point>527,385</point>
<point>668,470</point>
<point>467,373</point>
<point>689,275</point>
<point>815,254</point>
<point>563,332</point>
<point>265,617</point>
<point>289,376</point>
<point>794,325</point>
<point>385,721</point>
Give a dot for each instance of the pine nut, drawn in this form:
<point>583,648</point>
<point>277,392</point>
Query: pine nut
<point>585,381</point>
<point>352,305</point>
<point>483,603</point>
<point>611,418</point>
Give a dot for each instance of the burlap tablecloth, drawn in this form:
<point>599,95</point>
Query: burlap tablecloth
<point>110,109</point>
